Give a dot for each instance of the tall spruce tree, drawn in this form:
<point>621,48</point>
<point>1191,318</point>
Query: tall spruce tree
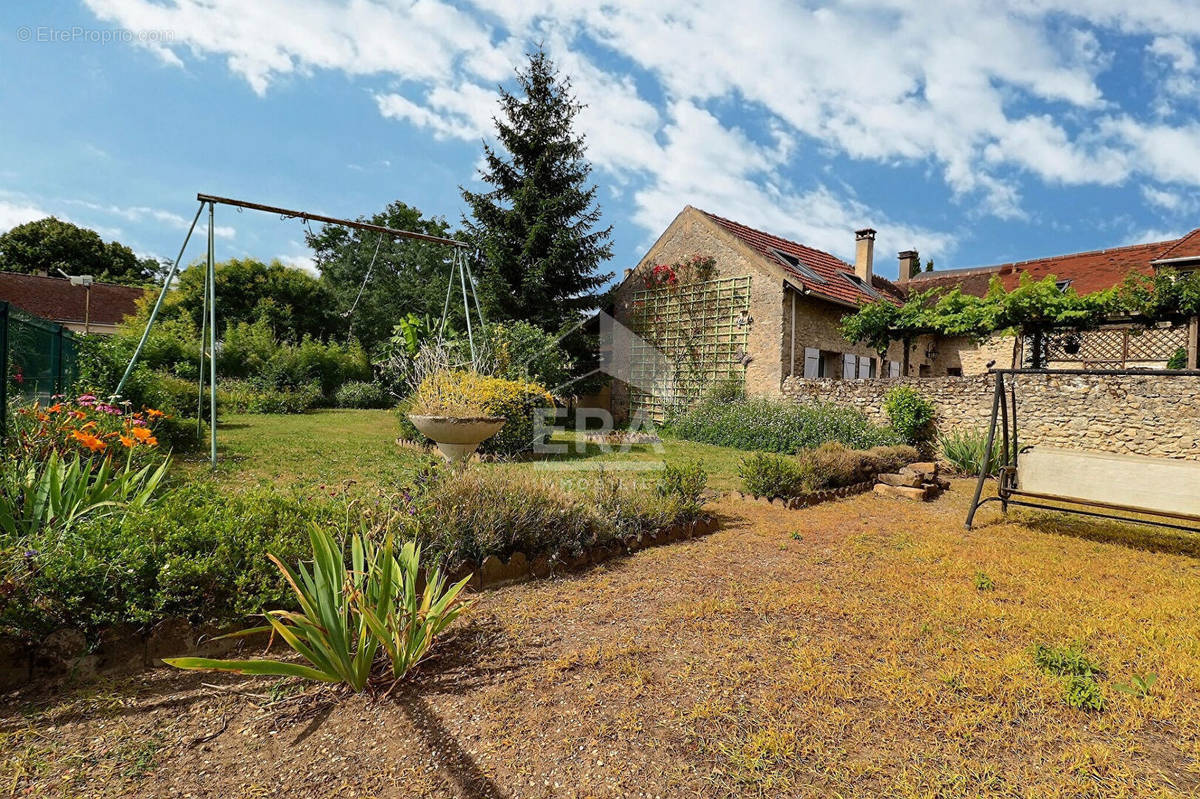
<point>535,228</point>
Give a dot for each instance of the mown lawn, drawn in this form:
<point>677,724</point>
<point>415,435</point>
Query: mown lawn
<point>358,448</point>
<point>851,649</point>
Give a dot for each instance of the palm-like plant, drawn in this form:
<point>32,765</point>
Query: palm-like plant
<point>404,620</point>
<point>347,614</point>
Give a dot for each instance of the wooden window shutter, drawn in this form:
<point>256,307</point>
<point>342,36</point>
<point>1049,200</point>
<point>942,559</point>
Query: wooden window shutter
<point>812,362</point>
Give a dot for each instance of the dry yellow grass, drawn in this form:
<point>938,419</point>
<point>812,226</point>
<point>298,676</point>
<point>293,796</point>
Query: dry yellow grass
<point>858,661</point>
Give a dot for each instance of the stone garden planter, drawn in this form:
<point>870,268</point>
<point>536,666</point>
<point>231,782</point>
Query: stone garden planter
<point>457,437</point>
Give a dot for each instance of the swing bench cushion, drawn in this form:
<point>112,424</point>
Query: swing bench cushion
<point>1136,482</point>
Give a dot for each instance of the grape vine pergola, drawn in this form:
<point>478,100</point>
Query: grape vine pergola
<point>460,269</point>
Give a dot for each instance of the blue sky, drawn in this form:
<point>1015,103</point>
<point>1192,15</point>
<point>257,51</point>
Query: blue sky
<point>975,132</point>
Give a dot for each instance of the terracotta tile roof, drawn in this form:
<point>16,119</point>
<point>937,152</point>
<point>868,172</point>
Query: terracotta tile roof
<point>56,299</point>
<point>1087,271</point>
<point>831,282</point>
<point>1186,247</point>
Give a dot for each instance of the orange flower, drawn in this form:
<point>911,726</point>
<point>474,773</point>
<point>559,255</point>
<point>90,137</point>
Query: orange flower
<point>144,435</point>
<point>153,414</point>
<point>127,442</point>
<point>89,426</point>
<point>88,440</point>
<point>78,414</point>
<point>55,408</point>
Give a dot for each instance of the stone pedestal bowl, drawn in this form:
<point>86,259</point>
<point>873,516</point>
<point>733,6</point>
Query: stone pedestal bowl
<point>457,436</point>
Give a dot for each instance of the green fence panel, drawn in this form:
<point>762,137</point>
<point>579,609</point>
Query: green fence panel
<point>38,359</point>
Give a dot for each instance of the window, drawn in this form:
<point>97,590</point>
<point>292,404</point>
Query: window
<point>953,371</point>
<point>1061,285</point>
<point>795,263</point>
<point>859,284</point>
<point>893,368</point>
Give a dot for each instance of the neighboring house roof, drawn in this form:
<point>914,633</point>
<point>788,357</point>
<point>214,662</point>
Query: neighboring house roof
<point>826,276</point>
<point>56,299</point>
<point>1184,249</point>
<point>1087,271</point>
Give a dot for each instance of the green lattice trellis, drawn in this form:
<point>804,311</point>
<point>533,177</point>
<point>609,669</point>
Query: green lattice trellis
<point>700,331</point>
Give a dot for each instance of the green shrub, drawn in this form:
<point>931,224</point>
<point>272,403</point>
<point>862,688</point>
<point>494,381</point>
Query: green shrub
<point>911,414</point>
<point>833,464</point>
<point>525,352</point>
<point>686,485</point>
<point>767,425</point>
<point>361,394</point>
<point>244,396</point>
<point>199,553</point>
<point>1178,359</point>
<point>767,475</point>
<point>964,449</point>
<point>476,512</point>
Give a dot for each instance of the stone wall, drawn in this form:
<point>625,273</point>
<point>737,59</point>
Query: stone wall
<point>1135,415</point>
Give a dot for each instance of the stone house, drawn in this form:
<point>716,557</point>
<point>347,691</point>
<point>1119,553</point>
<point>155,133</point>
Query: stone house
<point>1118,346</point>
<point>772,307</point>
<point>771,310</point>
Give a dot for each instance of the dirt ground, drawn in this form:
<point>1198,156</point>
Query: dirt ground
<point>841,650</point>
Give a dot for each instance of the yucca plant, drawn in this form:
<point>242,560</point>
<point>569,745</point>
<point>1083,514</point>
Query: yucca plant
<point>346,615</point>
<point>58,493</point>
<point>404,620</point>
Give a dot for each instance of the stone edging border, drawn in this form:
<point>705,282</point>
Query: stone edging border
<point>127,650</point>
<point>805,500</point>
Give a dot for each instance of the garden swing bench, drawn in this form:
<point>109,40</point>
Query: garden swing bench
<point>1130,488</point>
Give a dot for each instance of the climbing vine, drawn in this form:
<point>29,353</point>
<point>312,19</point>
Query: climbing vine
<point>1032,309</point>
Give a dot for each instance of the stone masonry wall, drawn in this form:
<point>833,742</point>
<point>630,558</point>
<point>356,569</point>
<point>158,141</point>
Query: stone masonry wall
<point>1134,415</point>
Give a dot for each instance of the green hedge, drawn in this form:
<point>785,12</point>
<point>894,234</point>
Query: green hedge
<point>199,552</point>
<point>767,425</point>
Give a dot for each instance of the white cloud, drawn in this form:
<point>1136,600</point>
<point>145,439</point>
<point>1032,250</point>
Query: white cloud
<point>1174,49</point>
<point>1170,201</point>
<point>979,91</point>
<point>141,214</point>
<point>303,261</point>
<point>1147,235</point>
<point>18,213</point>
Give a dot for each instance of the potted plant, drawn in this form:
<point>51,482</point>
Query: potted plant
<point>447,408</point>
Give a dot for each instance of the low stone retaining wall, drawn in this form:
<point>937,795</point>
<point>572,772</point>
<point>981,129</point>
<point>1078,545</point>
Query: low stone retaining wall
<point>1136,414</point>
<point>125,650</point>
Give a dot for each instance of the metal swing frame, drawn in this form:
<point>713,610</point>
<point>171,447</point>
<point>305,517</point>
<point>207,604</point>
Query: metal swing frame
<point>208,317</point>
<point>1008,492</point>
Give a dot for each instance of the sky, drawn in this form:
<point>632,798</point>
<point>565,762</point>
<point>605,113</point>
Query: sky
<point>975,132</point>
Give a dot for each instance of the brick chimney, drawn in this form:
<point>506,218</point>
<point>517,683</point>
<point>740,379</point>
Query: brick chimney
<point>864,253</point>
<point>908,259</point>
